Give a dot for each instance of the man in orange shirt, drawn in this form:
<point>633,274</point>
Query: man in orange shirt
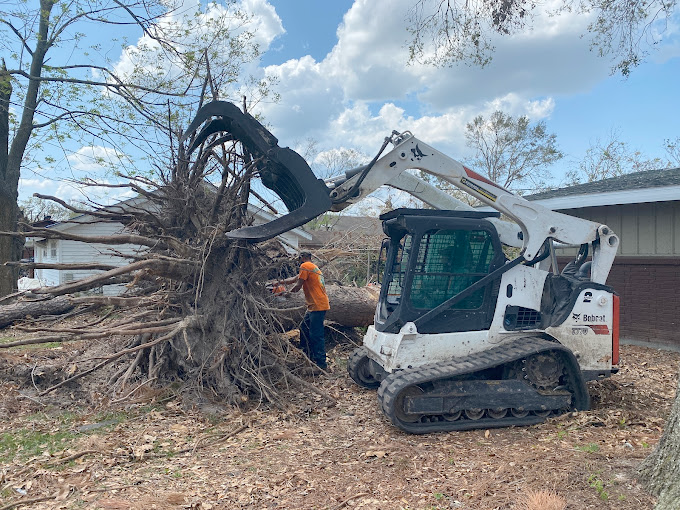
<point>311,281</point>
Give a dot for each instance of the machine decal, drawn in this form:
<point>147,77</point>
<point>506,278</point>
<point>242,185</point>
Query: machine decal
<point>474,175</point>
<point>587,297</point>
<point>579,331</point>
<point>576,317</point>
<point>417,153</point>
<point>478,189</point>
<point>599,329</point>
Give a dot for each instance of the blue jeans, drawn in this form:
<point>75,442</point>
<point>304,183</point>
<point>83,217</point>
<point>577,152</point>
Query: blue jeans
<point>312,338</point>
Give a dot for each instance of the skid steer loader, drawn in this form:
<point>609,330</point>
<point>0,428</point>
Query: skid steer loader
<point>463,337</point>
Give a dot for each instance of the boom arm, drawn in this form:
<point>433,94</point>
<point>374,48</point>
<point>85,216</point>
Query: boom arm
<point>509,233</point>
<point>536,222</point>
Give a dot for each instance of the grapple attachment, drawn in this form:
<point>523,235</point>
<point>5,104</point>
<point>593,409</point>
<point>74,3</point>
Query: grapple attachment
<point>282,170</point>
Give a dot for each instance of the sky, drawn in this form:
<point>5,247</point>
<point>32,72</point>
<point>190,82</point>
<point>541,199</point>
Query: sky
<point>344,81</point>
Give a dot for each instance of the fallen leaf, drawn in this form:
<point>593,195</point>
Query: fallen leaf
<point>378,454</point>
<point>288,434</point>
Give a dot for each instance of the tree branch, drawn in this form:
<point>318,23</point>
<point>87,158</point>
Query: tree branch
<point>62,267</point>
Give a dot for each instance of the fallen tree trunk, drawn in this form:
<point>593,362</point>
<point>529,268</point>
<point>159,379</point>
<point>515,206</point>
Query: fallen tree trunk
<point>350,306</point>
<point>23,309</point>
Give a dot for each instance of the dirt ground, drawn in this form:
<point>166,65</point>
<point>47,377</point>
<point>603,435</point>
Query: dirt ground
<point>151,452</point>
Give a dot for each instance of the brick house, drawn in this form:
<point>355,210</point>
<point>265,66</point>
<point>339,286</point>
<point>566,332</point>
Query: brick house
<point>643,208</point>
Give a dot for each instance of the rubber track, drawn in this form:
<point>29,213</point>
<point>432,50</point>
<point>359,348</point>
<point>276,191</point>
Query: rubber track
<point>396,382</point>
<point>353,362</point>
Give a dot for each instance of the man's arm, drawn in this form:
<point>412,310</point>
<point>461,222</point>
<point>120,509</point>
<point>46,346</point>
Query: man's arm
<point>298,285</point>
<point>290,280</point>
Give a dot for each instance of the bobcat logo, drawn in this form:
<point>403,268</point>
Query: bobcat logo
<point>417,153</point>
<point>576,316</point>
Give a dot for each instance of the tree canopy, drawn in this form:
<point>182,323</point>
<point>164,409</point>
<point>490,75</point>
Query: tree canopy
<point>512,152</point>
<point>444,32</point>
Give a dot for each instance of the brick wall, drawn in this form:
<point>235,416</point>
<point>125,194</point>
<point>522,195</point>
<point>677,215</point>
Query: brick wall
<point>649,289</point>
<point>650,305</point>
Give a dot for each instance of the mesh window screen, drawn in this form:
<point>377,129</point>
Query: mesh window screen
<point>449,261</point>
<point>399,272</point>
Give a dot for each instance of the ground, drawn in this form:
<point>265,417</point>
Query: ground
<point>148,451</point>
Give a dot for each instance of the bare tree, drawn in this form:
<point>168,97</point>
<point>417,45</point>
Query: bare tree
<point>444,32</point>
<point>511,151</point>
<point>35,209</point>
<point>336,161</point>
<point>673,150</point>
<point>611,158</point>
<point>197,308</point>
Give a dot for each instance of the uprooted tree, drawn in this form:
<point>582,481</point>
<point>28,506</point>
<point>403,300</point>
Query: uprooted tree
<point>196,308</point>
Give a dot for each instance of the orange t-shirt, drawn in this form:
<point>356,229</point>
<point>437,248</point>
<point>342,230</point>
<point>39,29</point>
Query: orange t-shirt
<point>314,287</point>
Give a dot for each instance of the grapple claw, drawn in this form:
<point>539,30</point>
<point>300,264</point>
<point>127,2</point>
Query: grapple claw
<point>212,127</point>
<point>282,170</point>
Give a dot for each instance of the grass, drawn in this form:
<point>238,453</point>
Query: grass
<point>589,448</point>
<point>542,500</point>
<point>33,439</point>
<point>26,443</point>
<point>10,339</point>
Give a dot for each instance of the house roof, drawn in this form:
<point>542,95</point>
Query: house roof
<point>344,223</point>
<point>648,186</point>
<point>338,226</point>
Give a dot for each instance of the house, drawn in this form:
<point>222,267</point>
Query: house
<point>62,251</point>
<point>643,209</point>
<point>28,252</point>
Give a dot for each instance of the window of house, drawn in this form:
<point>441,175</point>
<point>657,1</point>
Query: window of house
<point>53,248</point>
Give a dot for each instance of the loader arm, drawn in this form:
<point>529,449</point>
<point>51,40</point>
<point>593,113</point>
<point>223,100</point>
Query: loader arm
<point>509,233</point>
<point>537,223</point>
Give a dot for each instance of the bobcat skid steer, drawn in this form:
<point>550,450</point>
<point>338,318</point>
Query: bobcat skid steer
<point>463,337</point>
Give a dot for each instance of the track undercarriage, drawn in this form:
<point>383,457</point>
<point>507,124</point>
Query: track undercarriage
<point>517,384</point>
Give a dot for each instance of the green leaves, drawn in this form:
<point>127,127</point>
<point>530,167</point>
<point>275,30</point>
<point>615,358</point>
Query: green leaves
<point>445,33</point>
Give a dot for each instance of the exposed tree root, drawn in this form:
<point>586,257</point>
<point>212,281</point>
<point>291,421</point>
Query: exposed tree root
<point>196,310</point>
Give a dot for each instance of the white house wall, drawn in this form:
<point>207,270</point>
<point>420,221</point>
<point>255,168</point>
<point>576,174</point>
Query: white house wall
<point>76,252</point>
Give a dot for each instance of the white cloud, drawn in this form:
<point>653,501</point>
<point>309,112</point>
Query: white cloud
<point>94,159</point>
<point>363,89</point>
<point>197,26</point>
<point>36,185</point>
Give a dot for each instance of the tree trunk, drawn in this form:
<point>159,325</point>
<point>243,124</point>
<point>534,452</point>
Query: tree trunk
<point>660,471</point>
<point>350,306</point>
<point>12,157</point>
<point>10,247</point>
<point>22,309</point>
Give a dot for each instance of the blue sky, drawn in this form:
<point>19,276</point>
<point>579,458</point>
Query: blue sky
<point>640,109</point>
<point>343,80</point>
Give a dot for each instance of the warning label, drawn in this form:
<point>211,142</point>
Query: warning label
<point>478,189</point>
